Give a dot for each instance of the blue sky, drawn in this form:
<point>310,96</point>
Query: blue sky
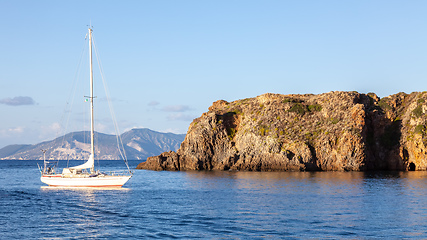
<point>167,61</point>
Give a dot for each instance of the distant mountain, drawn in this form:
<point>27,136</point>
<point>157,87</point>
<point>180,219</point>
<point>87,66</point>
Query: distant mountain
<point>138,144</point>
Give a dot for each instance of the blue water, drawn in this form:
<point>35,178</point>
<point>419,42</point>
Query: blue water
<point>216,205</point>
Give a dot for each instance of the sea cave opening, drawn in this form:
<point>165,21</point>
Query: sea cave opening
<point>411,167</point>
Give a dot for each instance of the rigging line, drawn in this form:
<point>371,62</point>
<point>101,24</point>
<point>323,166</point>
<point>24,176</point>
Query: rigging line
<point>116,128</point>
<point>68,106</point>
<point>72,94</point>
<point>118,139</point>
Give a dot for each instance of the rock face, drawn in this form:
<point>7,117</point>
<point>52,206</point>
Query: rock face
<point>335,131</point>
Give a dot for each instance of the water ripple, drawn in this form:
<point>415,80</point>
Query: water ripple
<point>218,205</point>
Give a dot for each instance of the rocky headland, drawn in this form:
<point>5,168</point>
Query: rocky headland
<point>335,131</point>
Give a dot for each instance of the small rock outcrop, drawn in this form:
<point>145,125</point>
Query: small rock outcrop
<point>335,131</point>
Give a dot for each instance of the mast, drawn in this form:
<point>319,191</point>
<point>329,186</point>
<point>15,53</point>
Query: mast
<point>92,135</point>
<point>90,163</point>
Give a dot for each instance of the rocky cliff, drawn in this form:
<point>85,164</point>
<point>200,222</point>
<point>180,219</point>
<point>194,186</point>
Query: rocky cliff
<point>335,131</point>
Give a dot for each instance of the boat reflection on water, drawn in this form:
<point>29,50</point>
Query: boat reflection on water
<point>84,189</point>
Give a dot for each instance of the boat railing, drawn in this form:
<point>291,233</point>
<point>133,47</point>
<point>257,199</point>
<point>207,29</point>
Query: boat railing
<point>117,173</point>
<point>48,169</point>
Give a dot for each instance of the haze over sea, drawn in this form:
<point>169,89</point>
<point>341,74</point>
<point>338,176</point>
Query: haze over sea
<point>216,205</point>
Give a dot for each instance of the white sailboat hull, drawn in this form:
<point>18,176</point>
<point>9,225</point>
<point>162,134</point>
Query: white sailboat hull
<point>75,176</point>
<point>78,181</point>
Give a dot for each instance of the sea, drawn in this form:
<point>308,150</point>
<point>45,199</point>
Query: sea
<point>215,205</point>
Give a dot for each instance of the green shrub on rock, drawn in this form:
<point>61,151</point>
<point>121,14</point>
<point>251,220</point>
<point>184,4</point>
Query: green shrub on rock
<point>298,108</point>
<point>418,111</point>
<point>420,129</point>
<point>315,108</point>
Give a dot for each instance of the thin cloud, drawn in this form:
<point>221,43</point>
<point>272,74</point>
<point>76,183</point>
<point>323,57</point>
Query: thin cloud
<point>12,131</point>
<point>18,101</point>
<point>112,99</point>
<point>179,117</point>
<point>173,130</point>
<point>16,130</point>
<point>153,103</point>
<point>176,108</point>
<point>101,128</point>
<point>133,127</point>
<point>49,131</point>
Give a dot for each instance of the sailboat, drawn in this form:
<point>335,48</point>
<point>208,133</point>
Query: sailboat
<point>84,175</point>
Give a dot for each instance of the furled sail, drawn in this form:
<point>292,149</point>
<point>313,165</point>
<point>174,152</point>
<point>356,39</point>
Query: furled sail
<point>88,164</point>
